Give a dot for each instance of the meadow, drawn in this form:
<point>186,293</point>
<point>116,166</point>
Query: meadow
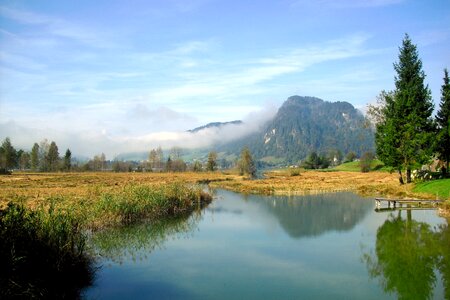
<point>85,192</point>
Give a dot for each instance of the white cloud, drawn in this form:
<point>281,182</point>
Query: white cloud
<point>144,99</point>
<point>88,142</point>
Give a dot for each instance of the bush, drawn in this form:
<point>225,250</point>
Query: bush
<point>366,161</point>
<point>294,172</point>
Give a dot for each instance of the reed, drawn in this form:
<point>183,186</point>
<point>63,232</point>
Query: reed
<point>43,250</point>
<point>43,254</point>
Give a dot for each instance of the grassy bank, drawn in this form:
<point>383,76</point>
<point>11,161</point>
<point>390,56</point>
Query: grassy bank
<point>354,166</point>
<point>439,188</point>
<point>43,227</point>
<point>43,254</point>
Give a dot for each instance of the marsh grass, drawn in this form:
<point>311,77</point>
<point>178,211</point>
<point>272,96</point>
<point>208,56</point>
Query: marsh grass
<point>43,250</point>
<point>43,254</point>
<point>136,202</point>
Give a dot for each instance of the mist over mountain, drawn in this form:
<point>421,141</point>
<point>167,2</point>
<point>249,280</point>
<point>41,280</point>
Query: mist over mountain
<point>301,125</point>
<point>215,124</point>
<point>306,124</point>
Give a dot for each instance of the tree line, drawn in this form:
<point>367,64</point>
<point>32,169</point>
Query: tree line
<point>45,157</point>
<point>407,136</point>
<point>42,157</point>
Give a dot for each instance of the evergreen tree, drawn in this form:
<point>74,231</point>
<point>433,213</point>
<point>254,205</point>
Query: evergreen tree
<point>52,157</point>
<point>68,160</point>
<point>403,138</point>
<point>212,161</point>
<point>8,159</point>
<point>387,136</point>
<point>312,161</point>
<point>442,145</point>
<point>35,157</point>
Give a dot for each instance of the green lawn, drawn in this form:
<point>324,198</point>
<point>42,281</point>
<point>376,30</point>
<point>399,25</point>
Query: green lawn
<point>440,188</point>
<point>354,166</point>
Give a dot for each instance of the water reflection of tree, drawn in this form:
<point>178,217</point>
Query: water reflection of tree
<point>406,256</point>
<point>137,241</point>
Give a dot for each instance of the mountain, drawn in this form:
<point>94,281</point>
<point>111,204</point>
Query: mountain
<point>215,124</point>
<point>306,124</point>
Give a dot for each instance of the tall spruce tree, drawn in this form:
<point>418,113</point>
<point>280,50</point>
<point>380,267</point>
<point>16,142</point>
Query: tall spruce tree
<point>387,135</point>
<point>403,137</point>
<point>68,160</point>
<point>35,157</point>
<point>52,157</point>
<point>8,157</point>
<point>442,145</point>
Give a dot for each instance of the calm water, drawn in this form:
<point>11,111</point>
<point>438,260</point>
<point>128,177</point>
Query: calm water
<point>331,246</point>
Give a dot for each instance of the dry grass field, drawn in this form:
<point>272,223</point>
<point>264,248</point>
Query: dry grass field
<point>36,188</point>
<point>311,182</point>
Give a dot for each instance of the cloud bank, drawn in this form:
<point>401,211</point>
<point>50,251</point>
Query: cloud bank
<point>86,143</point>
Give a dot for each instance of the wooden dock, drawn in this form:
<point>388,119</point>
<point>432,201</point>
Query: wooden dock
<point>417,203</point>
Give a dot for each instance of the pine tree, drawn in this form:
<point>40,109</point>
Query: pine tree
<point>52,157</point>
<point>8,155</point>
<point>35,157</point>
<point>403,138</point>
<point>387,135</point>
<point>442,145</point>
<point>68,160</point>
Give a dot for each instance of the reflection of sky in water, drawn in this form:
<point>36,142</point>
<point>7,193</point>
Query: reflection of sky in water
<point>260,247</point>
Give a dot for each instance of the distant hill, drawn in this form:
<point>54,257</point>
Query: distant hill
<point>215,124</point>
<point>301,125</point>
<point>306,124</point>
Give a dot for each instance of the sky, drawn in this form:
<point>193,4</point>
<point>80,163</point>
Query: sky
<point>121,76</point>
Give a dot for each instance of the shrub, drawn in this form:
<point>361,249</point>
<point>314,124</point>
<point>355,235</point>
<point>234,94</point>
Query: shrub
<point>366,161</point>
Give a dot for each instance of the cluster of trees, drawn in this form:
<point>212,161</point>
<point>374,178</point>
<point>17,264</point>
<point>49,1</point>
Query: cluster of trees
<point>42,157</point>
<point>407,136</point>
<point>330,158</point>
<point>45,157</point>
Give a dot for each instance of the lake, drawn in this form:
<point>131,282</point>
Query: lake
<point>330,246</point>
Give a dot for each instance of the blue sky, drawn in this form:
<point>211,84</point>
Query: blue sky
<point>115,76</point>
